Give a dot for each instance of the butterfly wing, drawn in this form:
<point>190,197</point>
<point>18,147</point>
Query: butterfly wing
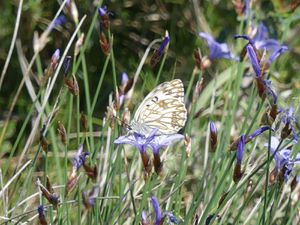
<point>163,108</point>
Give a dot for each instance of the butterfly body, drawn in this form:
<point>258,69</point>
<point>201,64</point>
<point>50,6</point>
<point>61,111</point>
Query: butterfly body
<point>162,109</point>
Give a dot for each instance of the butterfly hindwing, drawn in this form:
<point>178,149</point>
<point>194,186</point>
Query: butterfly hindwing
<point>163,108</point>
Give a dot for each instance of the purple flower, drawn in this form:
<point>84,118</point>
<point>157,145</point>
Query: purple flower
<point>289,120</point>
<point>155,142</point>
<point>217,50</point>
<point>163,141</point>
<point>255,62</point>
<point>247,8</point>
<point>79,158</point>
<point>124,79</point>
<point>277,53</point>
<point>171,217</point>
<point>261,39</point>
<point>102,11</point>
<point>144,218</point>
<point>90,197</point>
<point>240,149</point>
<point>271,91</point>
<point>60,21</point>
<point>253,59</point>
<point>259,131</point>
<point>41,210</point>
<point>159,216</point>
<point>282,157</point>
<point>157,210</point>
<point>163,45</point>
<point>212,127</point>
<point>137,140</point>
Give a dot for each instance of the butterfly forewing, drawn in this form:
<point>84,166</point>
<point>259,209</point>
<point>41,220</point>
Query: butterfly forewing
<point>163,109</point>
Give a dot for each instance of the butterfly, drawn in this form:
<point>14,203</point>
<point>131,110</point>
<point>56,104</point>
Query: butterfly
<point>162,109</point>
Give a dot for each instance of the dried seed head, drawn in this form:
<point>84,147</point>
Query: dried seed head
<point>104,43</point>
<point>62,132</point>
<point>91,172</point>
<point>71,182</point>
<point>72,85</point>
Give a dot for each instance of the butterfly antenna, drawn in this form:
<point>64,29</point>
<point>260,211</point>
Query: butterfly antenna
<point>123,123</point>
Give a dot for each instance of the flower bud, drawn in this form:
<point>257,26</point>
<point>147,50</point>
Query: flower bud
<point>213,136</point>
<point>41,213</point>
<point>104,18</point>
<point>237,173</point>
<point>66,65</point>
<point>48,194</point>
<point>158,53</point>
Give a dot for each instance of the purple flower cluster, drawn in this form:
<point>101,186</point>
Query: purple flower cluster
<point>153,141</point>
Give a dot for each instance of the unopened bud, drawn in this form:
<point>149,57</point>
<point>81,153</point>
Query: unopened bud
<point>66,65</point>
<point>213,136</point>
<point>104,43</point>
<point>42,218</point>
<point>83,121</point>
<point>78,44</point>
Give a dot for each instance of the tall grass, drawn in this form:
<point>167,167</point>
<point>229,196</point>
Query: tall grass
<point>196,184</point>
